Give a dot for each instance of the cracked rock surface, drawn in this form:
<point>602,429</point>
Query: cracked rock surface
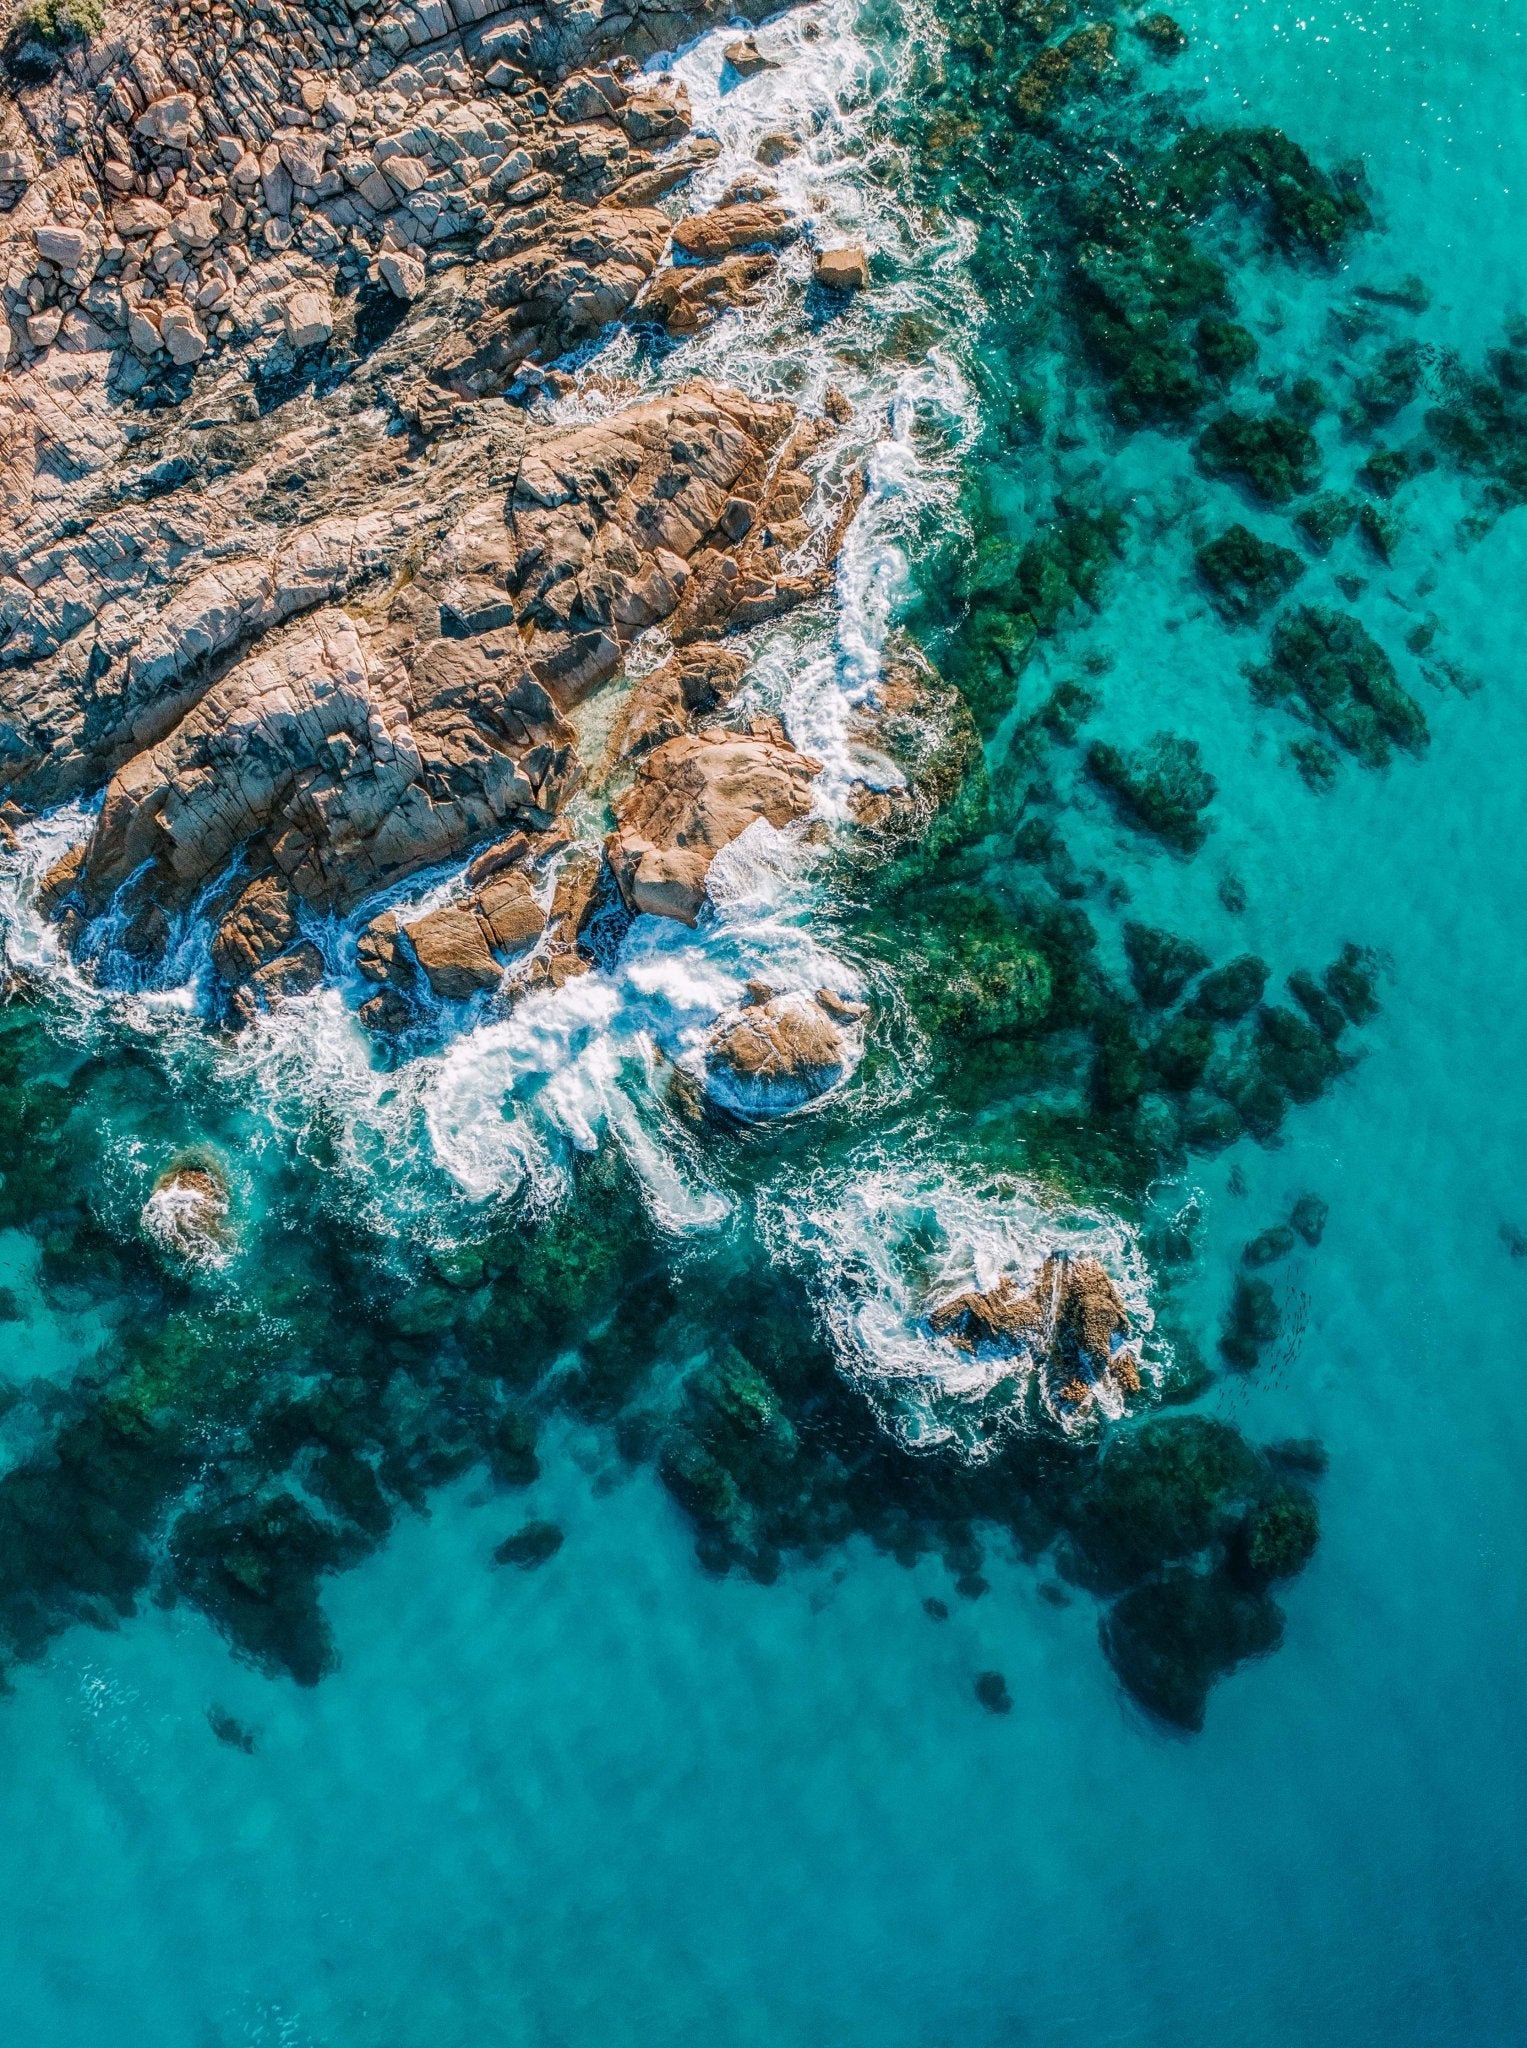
<point>292,574</point>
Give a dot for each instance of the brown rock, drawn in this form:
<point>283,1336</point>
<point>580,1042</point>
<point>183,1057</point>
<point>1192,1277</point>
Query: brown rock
<point>838,1006</point>
<point>842,270</point>
<point>1067,1320</point>
<point>575,896</point>
<point>1125,1368</point>
<point>786,1039</point>
<point>538,301</point>
<point>187,1213</point>
<point>451,947</point>
<point>379,954</point>
<point>774,147</point>
<point>693,796</point>
<point>442,739</point>
<point>506,853</point>
<point>513,918</point>
<point>710,236</point>
<point>746,59</point>
<point>387,1012</point>
<point>661,706</point>
<point>261,923</point>
<point>296,973</point>
<point>686,300</point>
<point>61,880</point>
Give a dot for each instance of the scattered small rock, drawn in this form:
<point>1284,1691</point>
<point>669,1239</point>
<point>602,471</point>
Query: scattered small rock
<point>992,1692</point>
<point>230,1731</point>
<point>530,1546</point>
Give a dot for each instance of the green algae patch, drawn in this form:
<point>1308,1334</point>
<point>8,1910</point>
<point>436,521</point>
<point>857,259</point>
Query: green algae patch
<point>1246,575</point>
<point>1162,787</point>
<point>1276,458</point>
<point>1326,664</point>
<point>972,973</point>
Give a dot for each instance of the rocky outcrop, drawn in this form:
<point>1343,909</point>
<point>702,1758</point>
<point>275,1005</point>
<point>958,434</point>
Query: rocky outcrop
<point>1070,1320</point>
<point>780,1050</point>
<point>664,704</point>
<point>287,568</point>
<point>359,746</point>
<point>187,1213</point>
<point>692,796</point>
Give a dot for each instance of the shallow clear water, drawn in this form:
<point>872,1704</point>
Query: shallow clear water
<point>615,1799</point>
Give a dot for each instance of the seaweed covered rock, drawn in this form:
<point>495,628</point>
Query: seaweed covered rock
<point>1173,1639</point>
<point>1231,991</point>
<point>1306,210</point>
<point>1162,787</point>
<point>1326,664</point>
<point>1252,1324</point>
<point>1479,424</point>
<point>530,1546</point>
<point>1018,593</point>
<point>1279,1535</point>
<point>972,971</point>
<point>1245,575</point>
<point>1161,964</point>
<point>1162,33</point>
<point>1061,70</point>
<point>1276,458</point>
<point>1165,1491</point>
<point>1325,519</point>
<point>253,1568</point>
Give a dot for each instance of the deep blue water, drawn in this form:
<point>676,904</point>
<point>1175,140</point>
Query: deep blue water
<point>614,1800</point>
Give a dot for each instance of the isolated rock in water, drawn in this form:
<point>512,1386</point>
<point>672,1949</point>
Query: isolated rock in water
<point>693,796</point>
<point>845,269</point>
<point>789,1043</point>
<point>1068,1320</point>
<point>746,59</point>
<point>187,1213</point>
<point>774,147</point>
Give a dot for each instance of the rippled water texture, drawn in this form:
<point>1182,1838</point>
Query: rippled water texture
<point>611,1797</point>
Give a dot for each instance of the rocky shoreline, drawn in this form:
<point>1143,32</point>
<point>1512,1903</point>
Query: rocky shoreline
<point>377,640</point>
<point>293,577</point>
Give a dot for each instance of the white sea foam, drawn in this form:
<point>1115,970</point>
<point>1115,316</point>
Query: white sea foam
<point>497,1102</point>
<point>894,1235</point>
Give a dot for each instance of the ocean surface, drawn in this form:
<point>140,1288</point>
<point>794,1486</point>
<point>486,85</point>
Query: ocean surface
<point>620,1799</point>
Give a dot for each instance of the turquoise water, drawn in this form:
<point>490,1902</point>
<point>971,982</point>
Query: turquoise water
<point>617,1798</point>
